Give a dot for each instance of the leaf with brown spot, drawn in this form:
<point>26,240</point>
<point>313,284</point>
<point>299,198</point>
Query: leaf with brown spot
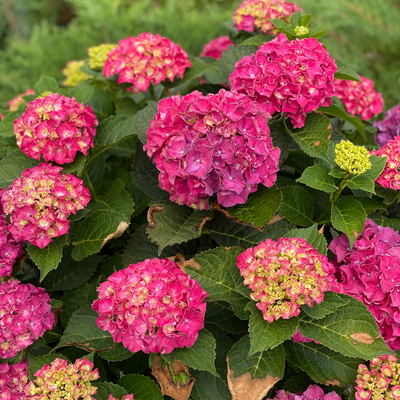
<point>150,217</point>
<point>363,337</point>
<point>275,218</point>
<point>317,143</point>
<point>333,383</point>
<point>180,260</point>
<point>122,227</point>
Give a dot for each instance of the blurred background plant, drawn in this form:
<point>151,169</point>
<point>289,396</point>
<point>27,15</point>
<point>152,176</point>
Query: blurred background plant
<point>38,37</point>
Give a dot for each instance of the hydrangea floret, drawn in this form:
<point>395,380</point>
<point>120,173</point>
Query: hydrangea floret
<point>55,127</point>
<point>146,60</point>
<point>40,202</point>
<point>73,74</point>
<point>381,381</point>
<point>13,380</point>
<point>14,104</point>
<point>301,30</point>
<point>359,97</point>
<point>313,392</point>
<point>151,306</point>
<point>64,380</point>
<point>98,55</point>
<point>293,77</point>
<point>370,272</point>
<point>351,158</point>
<point>25,314</point>
<point>256,14</point>
<point>215,144</point>
<point>126,397</point>
<point>216,47</point>
<point>285,275</point>
<point>389,127</point>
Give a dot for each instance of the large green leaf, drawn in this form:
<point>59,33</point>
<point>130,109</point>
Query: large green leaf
<point>296,205</point>
<point>104,389</point>
<point>317,177</point>
<point>312,236</point>
<point>141,121</point>
<point>7,126</point>
<point>330,304</point>
<point>231,56</point>
<point>279,137</point>
<point>209,387</point>
<point>221,314</point>
<point>76,166</point>
<point>257,40</point>
<point>114,129</point>
<point>36,363</point>
<point>345,72</point>
<point>46,84</point>
<point>142,387</point>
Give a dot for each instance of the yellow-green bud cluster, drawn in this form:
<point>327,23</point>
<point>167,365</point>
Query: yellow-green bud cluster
<point>351,158</point>
<point>301,30</point>
<point>73,73</point>
<point>98,55</point>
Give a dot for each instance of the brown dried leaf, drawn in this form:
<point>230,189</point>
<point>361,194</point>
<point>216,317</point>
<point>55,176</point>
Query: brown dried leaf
<point>333,383</point>
<point>363,337</point>
<point>180,260</point>
<point>202,223</point>
<point>118,232</point>
<point>150,217</point>
<point>275,218</point>
<point>321,231</point>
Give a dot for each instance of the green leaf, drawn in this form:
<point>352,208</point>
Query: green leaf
<point>296,205</point>
<point>257,40</point>
<point>231,56</point>
<point>393,223</point>
<point>36,363</point>
<point>114,129</point>
<point>330,304</point>
<point>116,353</point>
<point>214,75</point>
<point>378,165</point>
<point>312,236</point>
<point>141,386</point>
<point>7,124</point>
<point>345,72</point>
<point>46,84</point>
<point>221,314</point>
<point>48,258</point>
<point>141,121</point>
<point>348,216</point>
<point>209,387</point>
<point>127,107</point>
<point>279,138</point>
<point>76,166</point>
<point>389,195</point>
<point>361,182</point>
<point>370,204</point>
<point>322,364</point>
<point>104,389</point>
<point>284,27</point>
<point>337,172</point>
<point>317,177</point>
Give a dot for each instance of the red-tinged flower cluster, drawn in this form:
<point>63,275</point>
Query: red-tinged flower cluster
<point>215,144</point>
<point>294,77</point>
<point>256,14</point>
<point>313,392</point>
<point>146,60</point>
<point>63,380</point>
<point>126,397</point>
<point>299,338</point>
<point>381,381</point>
<point>285,275</point>
<point>370,272</point>
<point>55,127</point>
<point>216,47</point>
<point>151,306</point>
<point>25,314</point>
<point>359,97</point>
<point>13,380</point>
<point>40,202</point>
<point>17,101</point>
<point>389,127</point>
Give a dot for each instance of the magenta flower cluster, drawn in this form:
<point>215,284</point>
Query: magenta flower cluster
<point>285,275</point>
<point>389,127</point>
<point>40,202</point>
<point>13,380</point>
<point>25,314</point>
<point>313,392</point>
<point>370,272</point>
<point>55,127</point>
<point>146,60</point>
<point>151,306</point>
<point>215,144</point>
<point>216,47</point>
<point>293,77</point>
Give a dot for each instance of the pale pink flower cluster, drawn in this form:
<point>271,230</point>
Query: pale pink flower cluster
<point>313,392</point>
<point>63,380</point>
<point>370,272</point>
<point>14,104</point>
<point>294,77</point>
<point>41,201</point>
<point>146,60</point>
<point>215,144</point>
<point>216,47</point>
<point>359,97</point>
<point>25,314</point>
<point>389,127</point>
<point>13,380</point>
<point>151,306</point>
<point>256,14</point>
<point>285,275</point>
<point>55,127</point>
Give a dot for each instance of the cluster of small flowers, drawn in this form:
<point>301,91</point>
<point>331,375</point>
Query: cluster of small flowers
<point>351,158</point>
<point>73,74</point>
<point>380,381</point>
<point>13,380</point>
<point>295,77</point>
<point>256,14</point>
<point>313,392</point>
<point>41,201</point>
<point>126,397</point>
<point>17,101</point>
<point>151,306</point>
<point>216,47</point>
<point>55,127</point>
<point>62,380</point>
<point>389,127</point>
<point>370,272</point>
<point>284,275</point>
<point>359,97</point>
<point>25,314</point>
<point>146,59</point>
<point>98,55</point>
<point>219,143</point>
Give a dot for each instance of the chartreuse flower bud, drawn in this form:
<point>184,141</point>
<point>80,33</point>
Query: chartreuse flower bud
<point>98,55</point>
<point>301,30</point>
<point>44,94</point>
<point>73,73</point>
<point>351,158</point>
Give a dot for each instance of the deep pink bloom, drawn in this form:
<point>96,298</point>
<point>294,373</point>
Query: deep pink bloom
<point>389,127</point>
<point>40,202</point>
<point>151,306</point>
<point>294,77</point>
<point>14,104</point>
<point>13,380</point>
<point>215,144</point>
<point>126,397</point>
<point>216,47</point>
<point>299,338</point>
<point>313,392</point>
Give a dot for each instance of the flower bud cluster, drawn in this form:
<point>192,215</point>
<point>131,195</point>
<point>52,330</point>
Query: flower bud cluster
<point>17,101</point>
<point>294,77</point>
<point>63,380</point>
<point>216,47</point>
<point>313,392</point>
<point>25,314</point>
<point>151,306</point>
<point>13,380</point>
<point>351,158</point>
<point>301,30</point>
<point>73,74</point>
<point>98,55</point>
<point>389,127</point>
<point>146,59</point>
<point>55,127</point>
<point>41,201</point>
<point>215,144</point>
<point>285,275</point>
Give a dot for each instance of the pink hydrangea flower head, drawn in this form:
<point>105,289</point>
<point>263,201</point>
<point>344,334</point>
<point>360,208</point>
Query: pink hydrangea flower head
<point>216,47</point>
<point>389,127</point>
<point>313,392</point>
<point>14,104</point>
<point>256,14</point>
<point>13,380</point>
<point>146,59</point>
<point>55,127</point>
<point>215,144</point>
<point>285,275</point>
<point>25,314</point>
<point>370,272</point>
<point>151,306</point>
<point>40,202</point>
<point>294,77</point>
<point>64,380</point>
<point>126,397</point>
<point>359,97</point>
